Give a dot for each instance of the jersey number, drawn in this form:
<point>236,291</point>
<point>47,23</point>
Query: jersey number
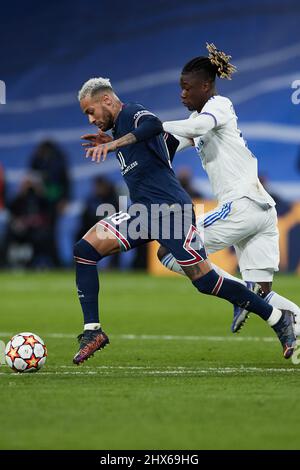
<point>119,217</point>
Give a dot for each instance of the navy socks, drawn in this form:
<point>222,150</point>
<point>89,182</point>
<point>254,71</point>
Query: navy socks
<point>213,284</point>
<point>87,281</point>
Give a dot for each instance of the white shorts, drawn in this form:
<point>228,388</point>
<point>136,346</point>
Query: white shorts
<point>251,229</point>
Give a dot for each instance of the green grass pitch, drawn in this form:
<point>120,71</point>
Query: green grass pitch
<point>173,377</point>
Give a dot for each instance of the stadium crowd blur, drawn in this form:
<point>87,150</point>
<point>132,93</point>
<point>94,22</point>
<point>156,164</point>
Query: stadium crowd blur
<point>30,219</point>
<point>47,198</point>
<point>33,221</point>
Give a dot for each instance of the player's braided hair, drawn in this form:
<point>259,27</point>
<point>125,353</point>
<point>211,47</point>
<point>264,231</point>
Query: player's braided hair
<point>216,64</point>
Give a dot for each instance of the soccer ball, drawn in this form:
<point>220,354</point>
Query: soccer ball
<point>25,352</point>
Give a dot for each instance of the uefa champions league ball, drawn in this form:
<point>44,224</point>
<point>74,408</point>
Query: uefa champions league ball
<point>25,352</point>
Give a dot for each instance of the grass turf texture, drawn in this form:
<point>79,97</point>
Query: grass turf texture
<point>205,389</point>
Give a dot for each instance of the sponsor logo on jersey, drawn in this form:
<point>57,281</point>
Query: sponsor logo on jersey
<point>129,168</point>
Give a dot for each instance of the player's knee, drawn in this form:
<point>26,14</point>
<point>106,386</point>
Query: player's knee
<point>266,288</point>
<point>77,249</point>
<point>85,253</point>
<point>161,252</point>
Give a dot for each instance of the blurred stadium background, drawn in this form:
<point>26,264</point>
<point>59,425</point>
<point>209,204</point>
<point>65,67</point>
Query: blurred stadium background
<point>49,193</point>
<point>173,377</point>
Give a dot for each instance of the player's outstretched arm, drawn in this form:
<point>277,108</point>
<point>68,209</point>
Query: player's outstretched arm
<point>191,128</point>
<point>99,152</point>
<point>184,143</point>
<point>145,131</point>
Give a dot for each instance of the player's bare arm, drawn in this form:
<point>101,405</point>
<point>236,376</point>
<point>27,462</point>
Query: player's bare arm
<point>96,139</point>
<point>103,149</point>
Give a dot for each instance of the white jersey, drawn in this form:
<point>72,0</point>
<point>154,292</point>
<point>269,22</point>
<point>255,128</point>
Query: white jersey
<point>229,164</point>
<point>231,167</point>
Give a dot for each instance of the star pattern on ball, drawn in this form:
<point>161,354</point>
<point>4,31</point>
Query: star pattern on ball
<point>30,340</point>
<point>32,362</point>
<point>13,353</point>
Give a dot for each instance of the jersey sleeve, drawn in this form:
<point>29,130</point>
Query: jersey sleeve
<point>145,124</point>
<point>219,108</point>
<point>215,113</point>
<point>190,128</point>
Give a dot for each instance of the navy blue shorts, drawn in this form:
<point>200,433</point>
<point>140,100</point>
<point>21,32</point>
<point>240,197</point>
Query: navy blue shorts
<point>175,230</point>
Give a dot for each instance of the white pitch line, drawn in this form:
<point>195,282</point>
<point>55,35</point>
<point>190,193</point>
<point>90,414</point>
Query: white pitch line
<point>183,369</point>
<point>236,338</point>
<point>168,371</point>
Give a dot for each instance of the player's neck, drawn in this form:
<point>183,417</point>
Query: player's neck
<point>210,94</point>
<point>117,108</point>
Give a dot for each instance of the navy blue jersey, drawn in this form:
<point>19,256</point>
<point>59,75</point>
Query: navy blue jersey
<point>146,165</point>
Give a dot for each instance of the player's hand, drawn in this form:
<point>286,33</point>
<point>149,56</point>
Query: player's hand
<point>99,153</point>
<point>96,139</point>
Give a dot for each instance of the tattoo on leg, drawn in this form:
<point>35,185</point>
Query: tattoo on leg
<point>193,272</point>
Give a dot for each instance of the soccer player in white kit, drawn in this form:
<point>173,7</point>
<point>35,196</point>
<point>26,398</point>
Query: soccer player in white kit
<point>245,217</point>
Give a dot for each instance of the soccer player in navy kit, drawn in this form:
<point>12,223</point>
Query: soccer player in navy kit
<point>143,153</point>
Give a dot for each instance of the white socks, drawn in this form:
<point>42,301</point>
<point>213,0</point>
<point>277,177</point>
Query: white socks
<point>274,317</point>
<point>170,263</point>
<point>272,298</point>
<point>281,302</point>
